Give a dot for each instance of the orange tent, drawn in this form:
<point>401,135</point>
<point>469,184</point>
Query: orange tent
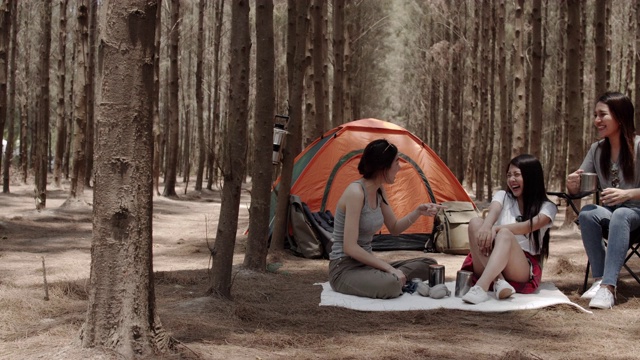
<point>324,169</point>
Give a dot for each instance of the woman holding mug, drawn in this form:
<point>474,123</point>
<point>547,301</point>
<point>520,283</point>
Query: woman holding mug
<point>614,159</point>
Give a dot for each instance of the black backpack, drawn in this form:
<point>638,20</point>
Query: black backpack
<point>310,234</point>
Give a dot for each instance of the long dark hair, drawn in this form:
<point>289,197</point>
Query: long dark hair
<point>534,194</point>
<point>377,157</point>
<point>621,109</point>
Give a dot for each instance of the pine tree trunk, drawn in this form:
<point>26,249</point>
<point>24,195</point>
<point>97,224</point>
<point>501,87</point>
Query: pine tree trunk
<point>80,101</point>
<point>338,67</point>
<point>519,114</point>
<point>91,94</point>
<point>174,120</point>
<point>256,251</point>
<point>235,150</point>
<point>13,119</point>
<point>60,110</point>
<point>318,70</point>
<point>200,97</point>
<point>636,91</point>
<point>121,267</point>
<point>535,134</point>
<point>5,30</point>
<point>217,36</point>
<point>158,132</point>
<point>572,96</point>
<point>42,128</point>
<point>295,129</point>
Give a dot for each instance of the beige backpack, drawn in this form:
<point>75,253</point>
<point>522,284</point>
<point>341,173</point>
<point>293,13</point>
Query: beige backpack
<point>452,227</point>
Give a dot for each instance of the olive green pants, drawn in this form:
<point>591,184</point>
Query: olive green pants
<point>349,276</point>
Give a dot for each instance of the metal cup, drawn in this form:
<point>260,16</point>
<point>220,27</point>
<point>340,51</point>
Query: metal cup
<point>463,282</point>
<point>436,275</point>
<point>588,182</point>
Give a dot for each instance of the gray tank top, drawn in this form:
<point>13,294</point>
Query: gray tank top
<point>371,221</point>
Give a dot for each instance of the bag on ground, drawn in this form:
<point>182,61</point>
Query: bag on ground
<point>310,233</point>
<point>452,227</point>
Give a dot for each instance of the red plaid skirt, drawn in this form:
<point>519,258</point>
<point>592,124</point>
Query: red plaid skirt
<point>521,287</point>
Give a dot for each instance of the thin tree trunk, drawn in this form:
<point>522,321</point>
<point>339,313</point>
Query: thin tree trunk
<point>174,119</point>
<point>338,67</point>
<point>219,8</point>
<point>91,94</point>
<point>295,129</point>
<point>519,114</point>
<point>535,136</point>
<point>637,63</point>
<point>573,92</point>
<point>60,110</point>
<point>200,97</point>
<point>158,133</point>
<point>256,252</point>
<point>80,101</point>
<point>5,30</point>
<point>235,151</point>
<point>13,119</point>
<point>42,142</point>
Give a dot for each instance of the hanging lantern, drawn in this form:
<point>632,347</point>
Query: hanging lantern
<point>279,134</point>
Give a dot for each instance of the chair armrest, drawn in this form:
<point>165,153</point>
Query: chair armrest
<point>567,196</point>
<point>571,197</point>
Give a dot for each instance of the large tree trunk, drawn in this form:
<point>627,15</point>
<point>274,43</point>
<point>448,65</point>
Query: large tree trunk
<point>122,313</point>
<point>200,98</point>
<point>42,129</point>
<point>61,129</point>
<point>80,101</point>
<point>295,129</point>
<point>174,118</point>
<point>256,251</point>
<point>235,150</point>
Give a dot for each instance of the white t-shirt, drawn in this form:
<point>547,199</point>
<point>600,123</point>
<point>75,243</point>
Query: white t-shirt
<point>510,212</point>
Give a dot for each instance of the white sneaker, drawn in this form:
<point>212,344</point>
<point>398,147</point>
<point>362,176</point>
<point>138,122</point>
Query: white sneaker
<point>503,289</point>
<point>589,294</point>
<point>603,299</point>
<point>475,295</point>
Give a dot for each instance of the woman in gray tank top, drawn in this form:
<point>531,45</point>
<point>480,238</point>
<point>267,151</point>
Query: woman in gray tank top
<point>360,213</point>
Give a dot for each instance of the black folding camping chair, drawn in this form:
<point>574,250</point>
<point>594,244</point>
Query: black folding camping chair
<point>634,238</point>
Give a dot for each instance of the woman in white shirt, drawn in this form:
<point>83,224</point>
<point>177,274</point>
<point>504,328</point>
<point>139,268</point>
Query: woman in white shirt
<point>510,243</point>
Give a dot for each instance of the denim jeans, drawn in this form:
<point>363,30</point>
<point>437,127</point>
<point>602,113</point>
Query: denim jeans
<point>607,262</point>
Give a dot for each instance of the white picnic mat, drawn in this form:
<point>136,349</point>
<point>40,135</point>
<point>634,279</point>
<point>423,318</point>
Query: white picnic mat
<point>546,295</point>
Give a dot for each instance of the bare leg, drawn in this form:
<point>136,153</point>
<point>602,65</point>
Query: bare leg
<point>507,258</point>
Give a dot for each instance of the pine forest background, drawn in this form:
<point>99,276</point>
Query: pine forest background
<point>478,81</point>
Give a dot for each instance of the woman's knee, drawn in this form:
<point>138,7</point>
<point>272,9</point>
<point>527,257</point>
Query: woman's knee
<point>389,287</point>
<point>474,224</point>
<point>504,236</point>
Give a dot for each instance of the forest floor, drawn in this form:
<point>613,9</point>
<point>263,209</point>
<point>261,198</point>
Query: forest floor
<point>275,315</point>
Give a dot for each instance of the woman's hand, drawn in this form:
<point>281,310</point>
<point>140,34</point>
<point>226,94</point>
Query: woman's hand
<point>484,238</point>
<point>615,196</point>
<point>430,209</point>
<point>573,181</point>
<point>399,274</point>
